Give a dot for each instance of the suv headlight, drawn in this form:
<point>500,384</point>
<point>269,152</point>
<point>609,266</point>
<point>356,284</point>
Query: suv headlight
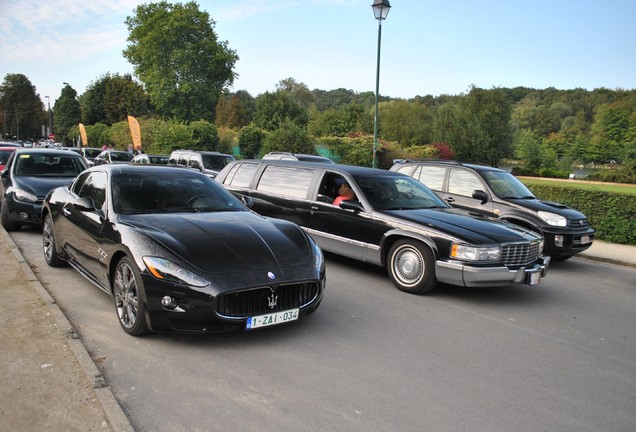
<point>22,195</point>
<point>553,219</point>
<point>164,269</point>
<point>475,253</point>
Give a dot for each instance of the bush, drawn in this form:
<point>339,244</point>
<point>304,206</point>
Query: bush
<point>612,215</point>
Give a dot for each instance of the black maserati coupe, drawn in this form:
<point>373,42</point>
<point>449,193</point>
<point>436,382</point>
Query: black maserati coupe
<point>177,252</point>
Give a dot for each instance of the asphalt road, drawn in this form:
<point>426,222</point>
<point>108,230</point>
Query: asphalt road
<point>560,356</point>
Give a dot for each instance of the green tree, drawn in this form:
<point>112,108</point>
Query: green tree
<point>111,98</point>
<point>177,56</point>
<point>528,149</point>
<point>289,137</point>
<point>97,135</point>
<point>250,140</point>
<point>67,115</point>
<point>477,126</point>
<point>124,97</point>
<point>204,135</point>
<point>247,107</point>
<point>275,109</point>
<point>353,117</point>
<point>298,91</point>
<point>21,108</point>
<point>405,122</point>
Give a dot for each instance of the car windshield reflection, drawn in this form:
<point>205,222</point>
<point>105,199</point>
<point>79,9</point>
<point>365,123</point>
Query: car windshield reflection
<point>138,193</point>
<point>41,165</point>
<point>507,186</point>
<point>398,193</point>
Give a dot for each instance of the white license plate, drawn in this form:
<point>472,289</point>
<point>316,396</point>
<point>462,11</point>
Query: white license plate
<point>585,240</point>
<point>271,319</point>
<point>535,278</point>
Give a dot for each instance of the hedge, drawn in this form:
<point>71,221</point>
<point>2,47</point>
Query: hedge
<point>612,215</point>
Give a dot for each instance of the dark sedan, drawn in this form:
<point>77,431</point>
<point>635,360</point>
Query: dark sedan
<point>28,176</point>
<point>178,252</point>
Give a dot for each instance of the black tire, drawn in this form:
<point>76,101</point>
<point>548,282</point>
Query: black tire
<point>411,267</point>
<point>129,302</point>
<point>49,245</point>
<point>7,223</point>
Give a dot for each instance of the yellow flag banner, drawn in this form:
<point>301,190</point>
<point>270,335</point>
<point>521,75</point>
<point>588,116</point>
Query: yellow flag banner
<point>83,135</point>
<point>135,131</point>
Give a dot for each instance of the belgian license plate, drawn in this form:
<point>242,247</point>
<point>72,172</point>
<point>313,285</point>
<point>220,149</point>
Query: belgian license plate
<point>585,240</point>
<point>271,319</point>
<point>535,278</point>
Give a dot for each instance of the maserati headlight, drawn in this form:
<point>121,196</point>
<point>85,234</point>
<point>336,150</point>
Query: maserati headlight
<point>319,259</point>
<point>164,269</point>
<point>475,253</point>
<point>21,195</point>
<point>553,219</point>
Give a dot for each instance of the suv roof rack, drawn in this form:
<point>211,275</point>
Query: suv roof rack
<point>441,161</point>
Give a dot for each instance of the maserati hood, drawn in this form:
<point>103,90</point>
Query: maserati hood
<point>226,241</point>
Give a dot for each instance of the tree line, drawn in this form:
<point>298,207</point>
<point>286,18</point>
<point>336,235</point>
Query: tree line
<point>182,73</point>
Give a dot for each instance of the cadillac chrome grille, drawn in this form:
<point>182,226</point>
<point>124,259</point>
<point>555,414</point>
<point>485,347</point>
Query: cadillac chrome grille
<point>259,301</point>
<point>520,253</point>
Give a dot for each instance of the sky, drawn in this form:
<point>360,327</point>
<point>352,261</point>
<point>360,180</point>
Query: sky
<point>427,48</point>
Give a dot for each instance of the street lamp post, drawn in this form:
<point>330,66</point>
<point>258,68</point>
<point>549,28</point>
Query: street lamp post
<point>48,100</point>
<point>380,10</point>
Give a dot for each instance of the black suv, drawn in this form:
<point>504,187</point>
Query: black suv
<point>208,162</point>
<point>493,192</point>
<point>393,221</point>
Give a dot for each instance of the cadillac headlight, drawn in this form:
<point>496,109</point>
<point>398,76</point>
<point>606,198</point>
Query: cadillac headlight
<point>164,269</point>
<point>21,195</point>
<point>475,253</point>
<point>553,219</point>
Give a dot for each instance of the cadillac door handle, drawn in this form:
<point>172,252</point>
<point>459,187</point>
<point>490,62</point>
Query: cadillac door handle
<point>66,211</point>
<point>450,199</point>
<point>313,209</point>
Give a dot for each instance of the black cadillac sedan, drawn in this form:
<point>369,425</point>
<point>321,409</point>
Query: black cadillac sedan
<point>177,252</point>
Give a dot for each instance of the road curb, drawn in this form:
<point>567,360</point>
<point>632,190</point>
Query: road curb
<point>113,411</point>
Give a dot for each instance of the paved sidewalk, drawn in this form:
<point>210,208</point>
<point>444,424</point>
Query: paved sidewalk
<point>611,253</point>
<point>48,380</point>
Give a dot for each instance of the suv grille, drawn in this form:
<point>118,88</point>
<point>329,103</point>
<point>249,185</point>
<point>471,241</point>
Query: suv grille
<point>257,301</point>
<point>579,224</point>
<point>520,253</point>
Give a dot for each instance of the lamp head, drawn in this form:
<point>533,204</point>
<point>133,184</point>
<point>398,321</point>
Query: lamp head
<point>381,9</point>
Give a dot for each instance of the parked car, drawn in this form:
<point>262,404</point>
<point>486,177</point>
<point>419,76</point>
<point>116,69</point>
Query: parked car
<point>5,153</point>
<point>207,162</point>
<point>495,193</point>
<point>28,176</point>
<point>145,158</point>
<point>297,157</point>
<point>178,252</point>
<point>112,157</point>
<point>395,222</point>
<point>9,144</point>
<point>90,154</point>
